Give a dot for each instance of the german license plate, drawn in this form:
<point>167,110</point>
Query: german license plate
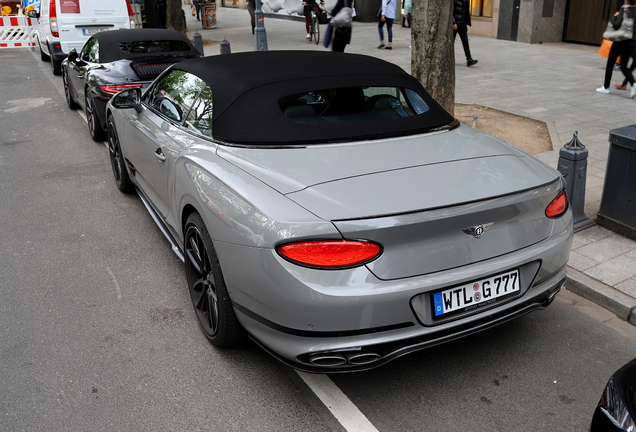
<point>475,294</point>
<point>94,30</point>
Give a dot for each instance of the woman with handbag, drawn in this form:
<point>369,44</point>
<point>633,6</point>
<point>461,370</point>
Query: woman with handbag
<point>622,32</point>
<point>341,34</point>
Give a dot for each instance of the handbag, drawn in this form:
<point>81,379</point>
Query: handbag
<point>343,18</point>
<point>605,48</point>
<point>194,11</point>
<point>624,32</point>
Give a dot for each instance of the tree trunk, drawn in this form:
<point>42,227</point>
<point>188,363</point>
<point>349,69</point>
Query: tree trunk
<point>433,53</point>
<point>174,16</point>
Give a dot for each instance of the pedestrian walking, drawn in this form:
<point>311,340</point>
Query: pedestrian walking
<point>624,31</point>
<point>195,3</point>
<point>631,68</point>
<point>341,35</point>
<point>407,13</point>
<point>251,8</point>
<point>461,21</point>
<point>386,16</point>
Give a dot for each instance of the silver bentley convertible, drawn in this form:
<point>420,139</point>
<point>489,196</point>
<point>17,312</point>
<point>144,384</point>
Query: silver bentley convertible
<point>328,208</point>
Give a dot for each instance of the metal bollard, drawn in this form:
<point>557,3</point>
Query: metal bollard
<point>225,46</point>
<point>573,166</point>
<point>198,42</point>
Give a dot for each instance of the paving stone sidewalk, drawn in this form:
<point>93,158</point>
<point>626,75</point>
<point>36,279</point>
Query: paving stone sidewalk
<point>551,82</point>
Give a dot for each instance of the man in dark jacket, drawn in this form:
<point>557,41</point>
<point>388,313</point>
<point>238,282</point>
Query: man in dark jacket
<point>461,21</point>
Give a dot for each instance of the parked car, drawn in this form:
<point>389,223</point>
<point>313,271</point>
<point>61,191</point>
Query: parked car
<point>328,207</point>
<point>67,24</point>
<point>616,409</point>
<point>116,60</point>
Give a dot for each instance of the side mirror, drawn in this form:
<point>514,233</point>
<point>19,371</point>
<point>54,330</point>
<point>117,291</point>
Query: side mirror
<point>127,99</point>
<point>33,14</point>
<point>72,55</point>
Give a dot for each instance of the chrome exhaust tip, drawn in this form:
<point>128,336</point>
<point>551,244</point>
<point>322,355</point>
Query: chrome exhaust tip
<point>362,358</point>
<point>327,360</point>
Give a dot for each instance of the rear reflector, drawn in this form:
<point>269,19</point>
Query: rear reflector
<point>558,206</point>
<point>53,19</point>
<point>117,88</point>
<point>330,253</point>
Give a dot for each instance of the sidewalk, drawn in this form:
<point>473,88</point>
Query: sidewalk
<point>551,82</point>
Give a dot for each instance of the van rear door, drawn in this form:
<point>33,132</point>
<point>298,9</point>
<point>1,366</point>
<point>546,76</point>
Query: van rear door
<point>78,20</point>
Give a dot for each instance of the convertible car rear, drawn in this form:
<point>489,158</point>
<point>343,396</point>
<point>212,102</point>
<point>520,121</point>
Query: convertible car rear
<point>330,209</point>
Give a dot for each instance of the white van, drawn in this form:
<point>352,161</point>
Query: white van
<point>67,24</point>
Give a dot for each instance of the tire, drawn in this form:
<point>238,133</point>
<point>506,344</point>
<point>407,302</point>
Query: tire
<point>317,32</point>
<point>208,291</point>
<point>56,65</point>
<point>94,126</point>
<point>120,172</point>
<point>67,91</point>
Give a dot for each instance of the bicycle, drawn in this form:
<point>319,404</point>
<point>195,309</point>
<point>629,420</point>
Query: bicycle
<point>314,24</point>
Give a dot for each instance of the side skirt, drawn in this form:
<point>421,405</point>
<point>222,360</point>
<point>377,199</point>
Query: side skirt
<point>162,225</point>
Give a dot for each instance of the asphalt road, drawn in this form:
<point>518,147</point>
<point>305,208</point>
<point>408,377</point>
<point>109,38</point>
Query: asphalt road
<point>97,330</point>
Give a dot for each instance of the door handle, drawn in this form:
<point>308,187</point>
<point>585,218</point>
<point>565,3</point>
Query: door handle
<point>159,154</point>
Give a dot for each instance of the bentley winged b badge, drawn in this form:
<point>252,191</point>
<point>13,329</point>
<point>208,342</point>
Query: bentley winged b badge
<point>477,230</point>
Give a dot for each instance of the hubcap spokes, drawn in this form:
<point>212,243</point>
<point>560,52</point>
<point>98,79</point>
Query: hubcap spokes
<point>201,279</point>
<point>115,155</point>
<point>89,114</point>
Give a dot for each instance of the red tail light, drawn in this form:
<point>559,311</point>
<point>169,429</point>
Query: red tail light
<point>558,206</point>
<point>53,19</point>
<point>117,88</point>
<point>131,15</point>
<point>330,253</point>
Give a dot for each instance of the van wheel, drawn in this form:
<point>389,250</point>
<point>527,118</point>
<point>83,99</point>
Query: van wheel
<point>56,65</point>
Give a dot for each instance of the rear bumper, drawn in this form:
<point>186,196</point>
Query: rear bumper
<point>392,344</point>
<point>56,51</point>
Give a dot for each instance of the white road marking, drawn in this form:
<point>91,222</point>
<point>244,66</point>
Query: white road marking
<point>115,282</point>
<point>338,403</point>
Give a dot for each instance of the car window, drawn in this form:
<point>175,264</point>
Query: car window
<point>174,94</point>
<point>352,105</point>
<point>90,52</point>
<point>200,116</point>
<point>153,46</point>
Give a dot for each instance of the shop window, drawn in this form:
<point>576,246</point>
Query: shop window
<point>481,8</point>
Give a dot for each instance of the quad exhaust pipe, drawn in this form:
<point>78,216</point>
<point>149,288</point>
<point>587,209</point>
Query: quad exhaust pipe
<point>354,358</point>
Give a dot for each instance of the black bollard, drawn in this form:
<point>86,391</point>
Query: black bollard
<point>573,167</point>
<point>197,41</point>
<point>225,46</point>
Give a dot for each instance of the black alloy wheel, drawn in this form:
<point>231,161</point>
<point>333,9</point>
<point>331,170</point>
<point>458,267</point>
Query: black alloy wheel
<point>67,91</point>
<point>94,127</point>
<point>208,291</point>
<point>117,159</point>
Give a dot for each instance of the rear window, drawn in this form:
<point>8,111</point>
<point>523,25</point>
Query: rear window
<point>352,105</point>
<point>153,46</point>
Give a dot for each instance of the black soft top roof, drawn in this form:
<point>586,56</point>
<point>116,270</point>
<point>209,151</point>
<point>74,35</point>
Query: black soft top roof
<point>109,41</point>
<point>248,86</point>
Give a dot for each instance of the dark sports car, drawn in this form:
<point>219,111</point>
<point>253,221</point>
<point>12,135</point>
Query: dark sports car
<point>113,61</point>
<point>616,411</point>
<point>328,206</point>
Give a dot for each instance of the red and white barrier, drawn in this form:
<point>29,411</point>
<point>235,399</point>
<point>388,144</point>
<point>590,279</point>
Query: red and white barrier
<point>16,32</point>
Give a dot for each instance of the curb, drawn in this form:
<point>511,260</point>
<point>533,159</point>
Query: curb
<point>603,295</point>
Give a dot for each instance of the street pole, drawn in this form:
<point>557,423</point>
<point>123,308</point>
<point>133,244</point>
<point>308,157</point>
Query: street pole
<point>260,38</point>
